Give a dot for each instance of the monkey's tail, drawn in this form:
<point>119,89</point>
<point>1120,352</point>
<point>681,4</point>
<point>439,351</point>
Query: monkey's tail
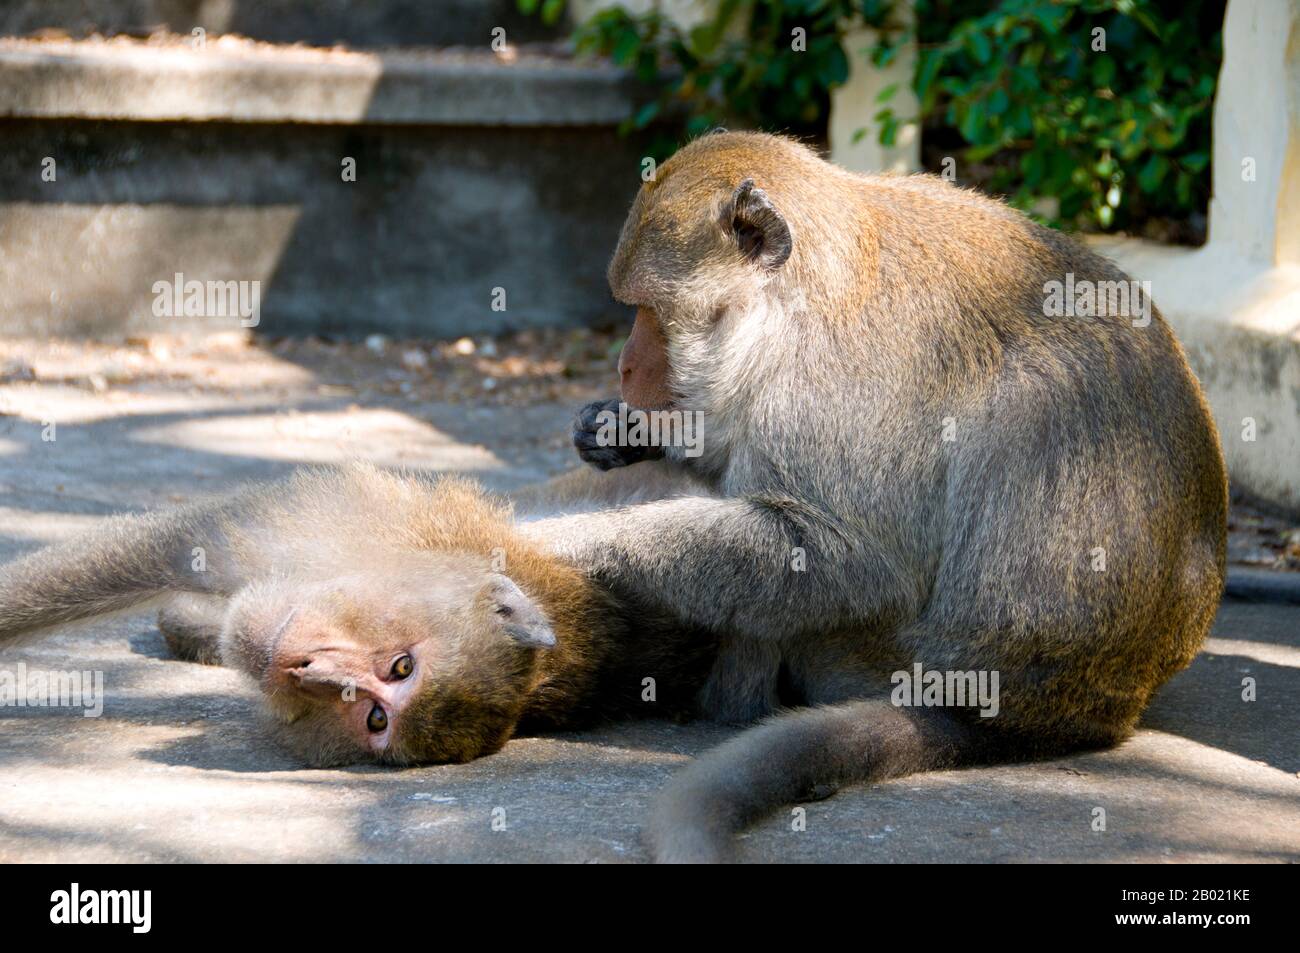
<point>803,755</point>
<point>127,561</point>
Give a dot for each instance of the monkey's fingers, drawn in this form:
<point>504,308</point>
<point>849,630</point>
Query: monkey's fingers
<point>592,450</point>
<point>587,438</point>
<point>604,458</point>
<point>588,416</point>
<point>596,434</point>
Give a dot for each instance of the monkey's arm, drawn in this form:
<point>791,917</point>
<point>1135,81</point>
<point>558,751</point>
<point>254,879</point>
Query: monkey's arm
<point>586,488</point>
<point>761,566</point>
<point>127,561</point>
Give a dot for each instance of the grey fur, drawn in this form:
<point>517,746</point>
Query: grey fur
<point>905,306</point>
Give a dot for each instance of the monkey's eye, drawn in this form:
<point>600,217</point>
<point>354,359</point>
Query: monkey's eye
<point>403,667</point>
<point>378,720</point>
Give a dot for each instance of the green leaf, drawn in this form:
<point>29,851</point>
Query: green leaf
<point>1153,173</point>
<point>834,70</point>
<point>927,69</point>
<point>980,46</point>
<point>972,124</point>
<point>980,153</point>
<point>889,131</point>
<point>552,10</point>
<point>645,115</point>
<point>1033,167</point>
<point>625,47</point>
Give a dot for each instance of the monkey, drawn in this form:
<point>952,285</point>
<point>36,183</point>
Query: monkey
<point>385,618</point>
<point>906,460</point>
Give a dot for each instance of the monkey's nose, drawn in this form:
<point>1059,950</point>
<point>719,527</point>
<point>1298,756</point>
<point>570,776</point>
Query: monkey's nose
<point>317,677</point>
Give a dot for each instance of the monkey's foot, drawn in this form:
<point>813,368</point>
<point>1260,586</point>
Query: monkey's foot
<point>191,627</point>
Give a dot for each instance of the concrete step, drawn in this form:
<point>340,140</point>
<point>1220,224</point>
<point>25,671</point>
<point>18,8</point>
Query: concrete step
<point>367,25</point>
<point>488,193</point>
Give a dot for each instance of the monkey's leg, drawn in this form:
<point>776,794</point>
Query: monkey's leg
<point>191,626</point>
<point>742,684</point>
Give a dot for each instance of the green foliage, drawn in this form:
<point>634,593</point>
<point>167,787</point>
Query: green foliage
<point>745,67</point>
<point>1115,135</point>
<point>1030,108</point>
<point>550,10</point>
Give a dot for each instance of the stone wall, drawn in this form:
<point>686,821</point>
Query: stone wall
<point>125,163</point>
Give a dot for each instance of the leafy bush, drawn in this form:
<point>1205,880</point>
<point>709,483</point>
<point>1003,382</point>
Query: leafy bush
<point>1116,137</point>
<point>1013,89</point>
<point>739,68</point>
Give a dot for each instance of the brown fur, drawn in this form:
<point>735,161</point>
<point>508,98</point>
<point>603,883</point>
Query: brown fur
<point>399,565</point>
<point>828,326</point>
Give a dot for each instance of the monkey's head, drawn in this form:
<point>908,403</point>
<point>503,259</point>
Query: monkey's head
<point>423,658</point>
<point>708,243</point>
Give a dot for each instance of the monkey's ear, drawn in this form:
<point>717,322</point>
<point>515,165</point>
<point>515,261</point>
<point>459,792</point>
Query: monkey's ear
<point>520,617</point>
<point>759,229</point>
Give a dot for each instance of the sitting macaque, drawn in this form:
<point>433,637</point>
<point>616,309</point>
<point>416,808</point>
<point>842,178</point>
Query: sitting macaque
<point>385,618</point>
<point>914,452</point>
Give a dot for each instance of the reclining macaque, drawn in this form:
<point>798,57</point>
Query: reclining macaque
<point>910,456</point>
<point>385,618</point>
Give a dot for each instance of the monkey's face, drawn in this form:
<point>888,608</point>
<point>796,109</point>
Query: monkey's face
<point>702,242</point>
<point>423,663</point>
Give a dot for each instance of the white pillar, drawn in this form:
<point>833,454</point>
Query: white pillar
<point>854,106</point>
<point>1235,303</point>
<point>1256,205</point>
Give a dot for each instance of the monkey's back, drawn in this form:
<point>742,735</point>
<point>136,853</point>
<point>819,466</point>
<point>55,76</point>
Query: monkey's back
<point>1084,524</point>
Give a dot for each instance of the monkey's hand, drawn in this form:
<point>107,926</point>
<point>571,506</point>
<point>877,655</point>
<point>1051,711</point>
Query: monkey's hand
<point>600,435</point>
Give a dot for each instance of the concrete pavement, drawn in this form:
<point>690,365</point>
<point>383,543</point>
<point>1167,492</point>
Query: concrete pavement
<point>178,768</point>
